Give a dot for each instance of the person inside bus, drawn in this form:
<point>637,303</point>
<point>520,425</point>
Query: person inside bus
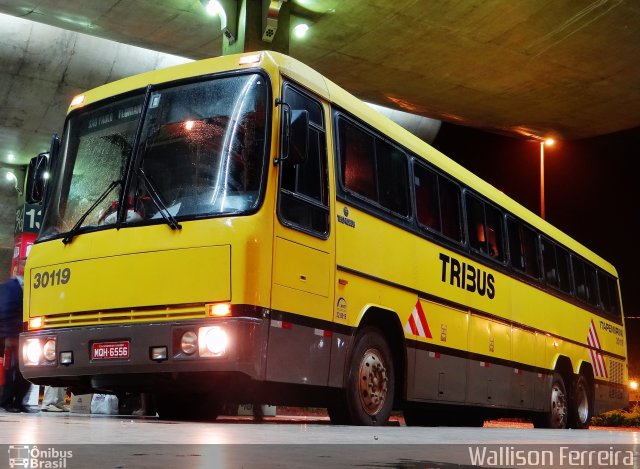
<point>16,386</point>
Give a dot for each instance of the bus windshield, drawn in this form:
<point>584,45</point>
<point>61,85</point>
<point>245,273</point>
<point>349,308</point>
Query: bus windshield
<point>201,153</point>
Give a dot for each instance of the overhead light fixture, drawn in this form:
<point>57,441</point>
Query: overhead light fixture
<point>11,177</point>
<point>214,8</point>
<point>300,30</point>
<point>11,157</point>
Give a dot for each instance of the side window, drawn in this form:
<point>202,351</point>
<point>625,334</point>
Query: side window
<point>523,248</point>
<point>427,204</point>
<point>564,269</point>
<point>584,276</point>
<point>437,202</point>
<point>592,292</point>
<point>608,293</point>
<point>551,275</point>
<point>475,223</point>
<point>485,228</point>
<point>391,165</point>
<point>530,249</point>
<point>515,245</point>
<point>357,155</point>
<point>579,279</point>
<point>373,168</point>
<point>450,209</point>
<point>304,189</point>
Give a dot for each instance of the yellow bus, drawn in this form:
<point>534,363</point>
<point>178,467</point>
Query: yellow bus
<point>241,229</point>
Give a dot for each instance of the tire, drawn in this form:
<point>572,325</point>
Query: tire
<point>338,413</point>
<point>196,407</point>
<point>558,413</point>
<point>580,406</point>
<point>370,386</point>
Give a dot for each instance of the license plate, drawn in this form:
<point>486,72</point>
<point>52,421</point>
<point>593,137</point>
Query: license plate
<point>108,350</point>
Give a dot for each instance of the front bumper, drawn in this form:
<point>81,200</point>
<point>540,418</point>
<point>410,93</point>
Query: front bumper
<point>244,356</point>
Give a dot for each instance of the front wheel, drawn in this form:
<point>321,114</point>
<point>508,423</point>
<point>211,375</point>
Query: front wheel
<point>369,393</point>
<point>580,408</point>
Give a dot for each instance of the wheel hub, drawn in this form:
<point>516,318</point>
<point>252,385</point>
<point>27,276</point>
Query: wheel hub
<point>373,381</point>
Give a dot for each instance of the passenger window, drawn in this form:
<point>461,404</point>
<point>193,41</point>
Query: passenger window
<point>608,293</point>
<point>485,228</point>
<point>475,220</point>
<point>523,248</point>
<point>495,241</point>
<point>427,204</point>
<point>392,178</point>
<point>564,276</point>
<point>357,154</point>
<point>304,190</point>
<point>373,168</point>
<point>530,248</point>
<point>592,292</point>
<point>551,275</point>
<point>580,280</point>
<point>450,208</point>
<point>585,281</point>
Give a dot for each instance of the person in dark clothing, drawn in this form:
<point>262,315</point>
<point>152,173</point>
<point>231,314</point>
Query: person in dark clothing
<point>16,387</point>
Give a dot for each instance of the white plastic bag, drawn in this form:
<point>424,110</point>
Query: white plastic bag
<point>104,404</point>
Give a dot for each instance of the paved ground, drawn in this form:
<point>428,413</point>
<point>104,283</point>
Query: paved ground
<point>137,442</point>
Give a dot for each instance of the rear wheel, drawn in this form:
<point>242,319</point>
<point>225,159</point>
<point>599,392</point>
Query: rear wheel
<point>580,406</point>
<point>557,415</point>
<point>368,397</point>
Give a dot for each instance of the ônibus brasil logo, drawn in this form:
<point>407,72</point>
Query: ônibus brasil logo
<point>34,457</point>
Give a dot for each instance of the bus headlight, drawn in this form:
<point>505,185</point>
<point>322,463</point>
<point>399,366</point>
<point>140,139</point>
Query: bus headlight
<point>49,350</point>
<point>32,352</point>
<point>189,342</point>
<point>213,341</point>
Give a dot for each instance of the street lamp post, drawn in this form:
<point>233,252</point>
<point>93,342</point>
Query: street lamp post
<point>548,142</point>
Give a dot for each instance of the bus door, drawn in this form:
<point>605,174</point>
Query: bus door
<point>304,247</point>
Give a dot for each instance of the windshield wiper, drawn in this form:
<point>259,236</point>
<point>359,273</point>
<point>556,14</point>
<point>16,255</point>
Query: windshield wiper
<point>157,201</point>
<point>69,237</point>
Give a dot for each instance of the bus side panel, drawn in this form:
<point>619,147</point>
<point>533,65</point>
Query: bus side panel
<point>439,371</point>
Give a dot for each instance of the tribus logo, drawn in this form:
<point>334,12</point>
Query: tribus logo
<point>34,457</point>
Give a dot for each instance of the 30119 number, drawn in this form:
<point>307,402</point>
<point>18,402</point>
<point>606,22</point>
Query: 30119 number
<point>52,278</point>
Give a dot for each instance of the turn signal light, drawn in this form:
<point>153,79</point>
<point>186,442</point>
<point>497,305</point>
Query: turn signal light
<point>219,310</point>
<point>35,323</point>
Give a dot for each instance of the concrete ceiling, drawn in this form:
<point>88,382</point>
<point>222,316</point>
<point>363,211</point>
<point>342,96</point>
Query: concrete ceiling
<point>530,67</point>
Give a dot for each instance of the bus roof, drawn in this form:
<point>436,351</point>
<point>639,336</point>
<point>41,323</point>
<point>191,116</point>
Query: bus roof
<point>274,63</point>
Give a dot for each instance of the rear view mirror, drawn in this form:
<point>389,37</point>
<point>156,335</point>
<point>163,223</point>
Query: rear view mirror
<point>37,175</point>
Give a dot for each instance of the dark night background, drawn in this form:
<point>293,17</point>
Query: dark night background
<point>591,193</point>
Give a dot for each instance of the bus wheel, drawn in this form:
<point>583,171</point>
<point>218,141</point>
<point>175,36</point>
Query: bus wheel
<point>370,384</point>
<point>558,412</point>
<point>580,406</point>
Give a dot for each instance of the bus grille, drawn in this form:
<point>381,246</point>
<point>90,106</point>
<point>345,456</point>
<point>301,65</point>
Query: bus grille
<point>168,313</point>
<point>617,375</point>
